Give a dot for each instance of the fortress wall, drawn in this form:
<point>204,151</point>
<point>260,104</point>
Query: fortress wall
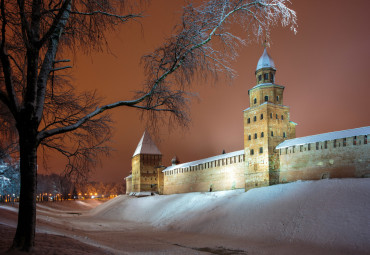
<point>320,161</point>
<point>201,178</point>
<point>128,185</point>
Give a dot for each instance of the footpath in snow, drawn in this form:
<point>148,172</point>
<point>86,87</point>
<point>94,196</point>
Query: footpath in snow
<point>330,213</point>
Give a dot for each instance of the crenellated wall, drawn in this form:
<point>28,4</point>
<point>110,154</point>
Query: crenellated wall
<point>326,159</point>
<point>213,175</point>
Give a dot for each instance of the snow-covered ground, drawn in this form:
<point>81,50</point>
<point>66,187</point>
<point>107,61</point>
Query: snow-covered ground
<point>311,217</point>
<point>335,212</point>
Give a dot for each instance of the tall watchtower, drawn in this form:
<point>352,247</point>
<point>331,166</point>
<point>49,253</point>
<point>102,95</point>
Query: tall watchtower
<point>266,125</point>
<point>145,161</point>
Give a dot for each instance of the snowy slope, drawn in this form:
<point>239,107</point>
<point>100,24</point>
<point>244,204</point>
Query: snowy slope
<point>332,212</point>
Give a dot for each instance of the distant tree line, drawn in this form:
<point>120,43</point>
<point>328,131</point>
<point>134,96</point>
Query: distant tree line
<point>60,187</point>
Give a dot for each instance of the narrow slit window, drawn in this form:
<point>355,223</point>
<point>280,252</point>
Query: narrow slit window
<point>284,134</point>
<point>326,144</point>
<point>272,133</point>
<point>271,115</point>
<point>262,116</point>
<point>262,134</point>
<point>335,143</point>
<point>249,137</point>
<point>365,139</point>
<point>255,118</point>
<point>255,135</point>
<point>317,145</point>
<point>255,100</point>
<point>277,98</point>
<point>249,120</point>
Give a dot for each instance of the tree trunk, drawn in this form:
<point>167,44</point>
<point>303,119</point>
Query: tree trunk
<point>25,235</point>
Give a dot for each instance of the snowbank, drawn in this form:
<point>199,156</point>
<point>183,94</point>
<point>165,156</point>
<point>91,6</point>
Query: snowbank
<point>333,212</point>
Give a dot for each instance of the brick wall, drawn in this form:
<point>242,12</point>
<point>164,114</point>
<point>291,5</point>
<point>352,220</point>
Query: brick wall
<point>224,174</point>
<point>325,160</point>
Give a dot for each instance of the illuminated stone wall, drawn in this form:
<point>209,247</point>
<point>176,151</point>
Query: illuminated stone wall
<point>128,185</point>
<point>316,161</point>
<point>222,174</point>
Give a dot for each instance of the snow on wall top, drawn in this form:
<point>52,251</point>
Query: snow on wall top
<point>325,137</point>
<point>265,61</point>
<point>146,146</point>
<point>128,177</point>
<point>205,160</point>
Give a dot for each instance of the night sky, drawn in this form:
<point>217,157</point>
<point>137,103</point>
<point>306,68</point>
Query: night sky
<point>324,68</point>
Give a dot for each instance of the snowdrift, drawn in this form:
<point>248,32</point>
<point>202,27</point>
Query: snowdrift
<point>333,212</point>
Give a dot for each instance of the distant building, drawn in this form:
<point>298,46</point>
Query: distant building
<point>271,153</point>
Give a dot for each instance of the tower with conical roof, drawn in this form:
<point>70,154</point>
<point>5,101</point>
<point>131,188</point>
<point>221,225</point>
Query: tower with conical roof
<point>266,124</point>
<point>145,161</point>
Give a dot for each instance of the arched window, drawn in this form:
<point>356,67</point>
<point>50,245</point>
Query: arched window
<point>255,118</point>
<point>255,135</point>
<point>261,116</point>
<point>266,98</point>
<point>262,134</point>
<point>249,120</point>
<point>266,76</point>
<point>255,100</point>
<point>249,137</point>
<point>284,134</point>
<point>271,115</point>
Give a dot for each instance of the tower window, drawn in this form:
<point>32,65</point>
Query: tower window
<point>282,117</point>
<point>335,143</point>
<point>344,142</point>
<point>317,145</point>
<point>272,77</point>
<point>284,134</point>
<point>259,77</point>
<point>249,120</point>
<point>252,152</point>
<point>262,134</point>
<point>277,98</point>
<point>249,137</point>
<point>271,115</point>
<point>266,98</point>
<point>255,135</point>
<point>261,149</point>
<point>301,148</point>
<point>266,76</point>
<point>276,116</point>
<point>255,118</point>
<point>309,147</point>
<point>272,133</point>
<point>365,139</point>
<point>255,100</point>
<point>354,140</point>
<point>261,116</point>
<point>326,144</point>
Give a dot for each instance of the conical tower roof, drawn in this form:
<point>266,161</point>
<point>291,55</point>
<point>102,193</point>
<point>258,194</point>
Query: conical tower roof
<point>146,146</point>
<point>265,61</point>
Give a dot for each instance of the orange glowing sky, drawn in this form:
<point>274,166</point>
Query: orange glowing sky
<point>324,68</point>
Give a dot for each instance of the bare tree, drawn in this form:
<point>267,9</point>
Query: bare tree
<point>43,107</point>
